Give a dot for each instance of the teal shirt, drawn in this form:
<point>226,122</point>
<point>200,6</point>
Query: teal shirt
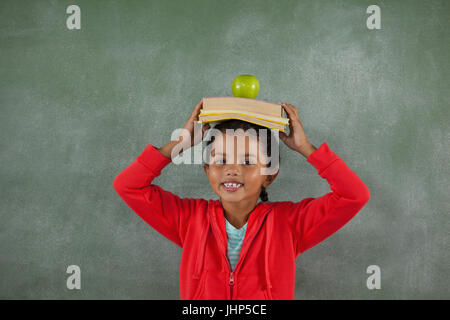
<point>235,237</point>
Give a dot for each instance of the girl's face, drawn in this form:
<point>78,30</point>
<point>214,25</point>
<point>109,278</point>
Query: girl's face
<point>237,159</point>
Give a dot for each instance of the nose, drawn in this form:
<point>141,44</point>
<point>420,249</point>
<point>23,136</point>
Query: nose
<point>232,169</point>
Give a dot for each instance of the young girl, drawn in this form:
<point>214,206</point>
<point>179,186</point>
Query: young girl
<point>235,247</point>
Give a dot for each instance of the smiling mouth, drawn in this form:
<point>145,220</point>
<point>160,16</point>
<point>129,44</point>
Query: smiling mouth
<point>231,187</point>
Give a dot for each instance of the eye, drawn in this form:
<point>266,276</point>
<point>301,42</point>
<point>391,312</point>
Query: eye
<point>219,161</point>
<point>249,162</point>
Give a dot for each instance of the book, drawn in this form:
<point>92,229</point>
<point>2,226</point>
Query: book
<point>260,112</point>
<point>218,118</point>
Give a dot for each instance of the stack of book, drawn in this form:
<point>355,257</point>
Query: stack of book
<point>263,113</point>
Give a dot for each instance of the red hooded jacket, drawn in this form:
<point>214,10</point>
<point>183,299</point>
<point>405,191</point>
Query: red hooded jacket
<point>277,232</point>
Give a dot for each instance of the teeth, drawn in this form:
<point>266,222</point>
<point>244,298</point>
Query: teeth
<point>232,185</point>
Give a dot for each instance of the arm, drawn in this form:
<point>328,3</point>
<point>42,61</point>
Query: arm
<point>165,212</point>
<point>315,219</point>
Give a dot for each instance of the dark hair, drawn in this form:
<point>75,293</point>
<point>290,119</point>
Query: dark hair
<point>236,124</point>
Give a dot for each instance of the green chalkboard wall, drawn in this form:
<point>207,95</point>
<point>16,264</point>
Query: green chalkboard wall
<point>79,105</point>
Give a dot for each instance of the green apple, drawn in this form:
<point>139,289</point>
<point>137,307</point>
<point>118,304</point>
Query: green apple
<point>245,86</point>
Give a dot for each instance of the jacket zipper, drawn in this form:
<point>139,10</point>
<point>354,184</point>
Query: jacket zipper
<point>231,281</point>
<point>231,277</point>
<point>231,284</point>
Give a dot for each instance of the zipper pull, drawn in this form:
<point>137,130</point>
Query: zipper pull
<point>231,278</point>
<point>231,284</point>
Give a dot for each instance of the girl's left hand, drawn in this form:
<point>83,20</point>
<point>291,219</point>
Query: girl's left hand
<point>296,140</point>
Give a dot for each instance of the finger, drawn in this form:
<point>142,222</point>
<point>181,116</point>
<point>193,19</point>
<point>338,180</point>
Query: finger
<point>282,135</point>
<point>196,111</point>
<point>291,115</point>
<point>291,129</point>
<point>295,110</point>
<point>292,109</point>
<point>293,118</point>
<point>198,106</point>
<point>287,108</point>
<point>281,104</point>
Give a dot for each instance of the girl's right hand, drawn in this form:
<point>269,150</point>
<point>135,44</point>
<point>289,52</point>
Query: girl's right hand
<point>187,138</point>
